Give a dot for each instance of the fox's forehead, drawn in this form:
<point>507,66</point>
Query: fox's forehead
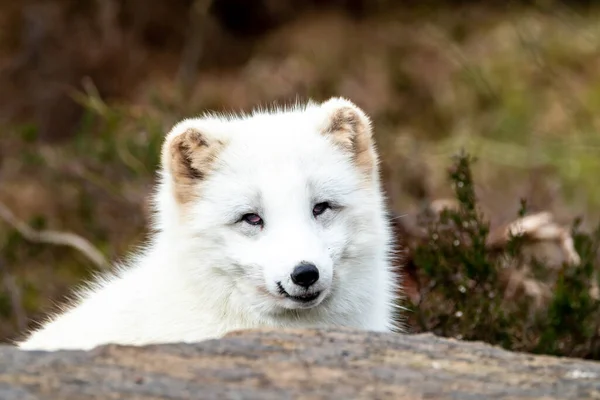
<point>280,166</point>
<point>280,146</point>
<point>276,128</point>
<point>280,141</point>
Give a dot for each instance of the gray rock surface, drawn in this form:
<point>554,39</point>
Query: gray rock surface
<point>294,364</point>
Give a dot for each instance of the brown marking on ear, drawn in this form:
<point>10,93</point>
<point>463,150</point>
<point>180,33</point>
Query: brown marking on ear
<point>350,129</point>
<point>189,157</point>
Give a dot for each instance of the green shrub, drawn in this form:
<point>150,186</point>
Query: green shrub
<point>463,289</point>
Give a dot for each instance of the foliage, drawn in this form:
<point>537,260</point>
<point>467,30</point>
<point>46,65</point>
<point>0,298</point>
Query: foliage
<point>465,285</point>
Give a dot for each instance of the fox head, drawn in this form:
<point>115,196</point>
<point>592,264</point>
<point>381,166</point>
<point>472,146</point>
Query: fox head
<point>284,206</point>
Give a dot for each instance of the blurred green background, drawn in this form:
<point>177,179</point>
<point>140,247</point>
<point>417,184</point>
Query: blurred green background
<point>88,89</point>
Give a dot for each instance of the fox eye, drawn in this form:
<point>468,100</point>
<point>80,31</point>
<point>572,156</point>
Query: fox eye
<point>253,219</point>
<point>320,208</point>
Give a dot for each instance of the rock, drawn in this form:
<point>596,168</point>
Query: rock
<point>297,364</point>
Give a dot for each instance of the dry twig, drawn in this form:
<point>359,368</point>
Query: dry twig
<point>539,227</point>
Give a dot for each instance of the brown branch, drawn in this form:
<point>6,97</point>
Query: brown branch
<point>53,237</point>
<point>539,227</point>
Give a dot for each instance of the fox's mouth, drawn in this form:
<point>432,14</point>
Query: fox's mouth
<point>305,298</point>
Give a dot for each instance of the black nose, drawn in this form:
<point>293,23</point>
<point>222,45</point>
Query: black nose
<point>305,274</point>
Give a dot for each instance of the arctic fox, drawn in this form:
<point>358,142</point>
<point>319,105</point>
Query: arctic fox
<point>270,219</point>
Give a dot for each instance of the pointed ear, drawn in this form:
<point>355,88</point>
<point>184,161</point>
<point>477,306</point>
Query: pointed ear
<point>350,129</point>
<point>188,155</point>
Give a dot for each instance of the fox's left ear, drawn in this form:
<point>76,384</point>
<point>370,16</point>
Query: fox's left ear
<point>350,128</point>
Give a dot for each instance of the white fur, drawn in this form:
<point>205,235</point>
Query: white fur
<point>203,274</point>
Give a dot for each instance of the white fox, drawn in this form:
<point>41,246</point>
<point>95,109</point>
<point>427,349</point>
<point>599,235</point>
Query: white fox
<point>272,219</point>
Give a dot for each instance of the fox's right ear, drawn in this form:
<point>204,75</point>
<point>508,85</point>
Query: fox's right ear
<point>188,155</point>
